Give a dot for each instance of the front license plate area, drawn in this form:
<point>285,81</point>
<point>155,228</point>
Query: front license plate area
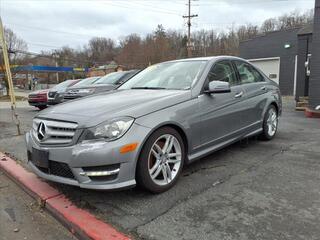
<point>40,158</point>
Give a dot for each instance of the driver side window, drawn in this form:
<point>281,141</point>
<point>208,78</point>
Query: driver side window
<point>223,71</point>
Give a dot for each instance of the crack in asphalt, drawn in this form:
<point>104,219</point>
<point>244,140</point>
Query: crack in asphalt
<point>202,169</point>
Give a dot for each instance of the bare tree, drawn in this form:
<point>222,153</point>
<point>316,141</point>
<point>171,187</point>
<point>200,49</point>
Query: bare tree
<point>269,25</point>
<point>15,45</point>
<point>101,49</point>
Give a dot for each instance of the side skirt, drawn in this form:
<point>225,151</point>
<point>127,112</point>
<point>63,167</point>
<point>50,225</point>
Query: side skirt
<point>207,151</point>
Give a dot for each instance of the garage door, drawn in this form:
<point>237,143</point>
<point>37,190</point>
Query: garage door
<point>270,67</point>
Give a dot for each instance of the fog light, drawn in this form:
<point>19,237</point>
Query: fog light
<point>100,173</point>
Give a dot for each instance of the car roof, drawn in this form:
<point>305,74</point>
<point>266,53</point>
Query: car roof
<point>210,58</point>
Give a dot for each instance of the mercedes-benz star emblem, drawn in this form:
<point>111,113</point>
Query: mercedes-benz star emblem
<point>41,131</point>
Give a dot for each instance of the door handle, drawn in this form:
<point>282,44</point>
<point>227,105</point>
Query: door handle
<point>263,88</point>
<point>238,95</point>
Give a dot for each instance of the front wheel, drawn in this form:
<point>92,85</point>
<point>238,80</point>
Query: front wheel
<point>270,123</point>
<point>161,160</point>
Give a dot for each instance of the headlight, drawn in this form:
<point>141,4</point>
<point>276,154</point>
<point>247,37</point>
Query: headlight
<point>86,90</point>
<point>109,130</point>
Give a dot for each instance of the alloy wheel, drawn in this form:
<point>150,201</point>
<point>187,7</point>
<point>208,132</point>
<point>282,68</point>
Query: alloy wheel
<point>272,122</point>
<point>164,159</point>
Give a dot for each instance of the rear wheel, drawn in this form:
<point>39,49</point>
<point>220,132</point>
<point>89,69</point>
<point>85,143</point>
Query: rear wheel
<point>270,123</point>
<point>161,160</point>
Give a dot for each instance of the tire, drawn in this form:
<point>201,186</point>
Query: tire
<point>42,107</point>
<point>270,123</point>
<point>154,160</point>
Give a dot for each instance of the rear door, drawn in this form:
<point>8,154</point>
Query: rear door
<point>255,87</point>
<point>221,113</point>
<point>269,66</point>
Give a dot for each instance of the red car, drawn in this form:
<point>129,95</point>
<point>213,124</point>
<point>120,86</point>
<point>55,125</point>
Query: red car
<point>39,99</point>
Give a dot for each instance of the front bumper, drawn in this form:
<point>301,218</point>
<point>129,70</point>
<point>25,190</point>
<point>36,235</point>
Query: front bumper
<point>54,101</point>
<point>37,103</point>
<point>84,158</point>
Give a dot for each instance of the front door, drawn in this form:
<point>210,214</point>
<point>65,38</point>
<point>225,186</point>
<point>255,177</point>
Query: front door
<point>221,113</point>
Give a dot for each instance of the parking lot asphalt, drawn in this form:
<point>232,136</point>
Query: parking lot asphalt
<point>250,190</point>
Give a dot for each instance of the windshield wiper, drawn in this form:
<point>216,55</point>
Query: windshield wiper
<point>148,88</point>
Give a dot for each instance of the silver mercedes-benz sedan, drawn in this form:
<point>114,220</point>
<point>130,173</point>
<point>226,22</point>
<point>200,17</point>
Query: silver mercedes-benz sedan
<point>166,116</point>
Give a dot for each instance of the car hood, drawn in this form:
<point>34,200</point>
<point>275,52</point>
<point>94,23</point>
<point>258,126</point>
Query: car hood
<point>43,91</point>
<point>97,86</point>
<point>92,110</point>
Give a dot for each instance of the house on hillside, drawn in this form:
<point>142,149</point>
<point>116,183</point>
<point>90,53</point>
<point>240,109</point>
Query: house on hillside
<point>105,69</point>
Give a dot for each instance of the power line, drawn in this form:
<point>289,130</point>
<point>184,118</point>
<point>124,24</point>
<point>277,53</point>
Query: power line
<point>43,55</point>
<point>42,45</point>
<point>48,30</point>
<point>143,8</point>
<point>152,6</point>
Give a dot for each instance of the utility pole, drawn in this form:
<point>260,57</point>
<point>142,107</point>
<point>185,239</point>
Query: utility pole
<point>57,73</point>
<point>9,77</point>
<point>56,62</point>
<point>189,16</point>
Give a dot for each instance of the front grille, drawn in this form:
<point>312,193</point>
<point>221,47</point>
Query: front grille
<point>60,169</point>
<point>56,132</point>
<point>33,96</point>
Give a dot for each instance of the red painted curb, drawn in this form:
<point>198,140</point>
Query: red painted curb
<point>38,189</point>
<point>80,222</point>
<point>311,113</point>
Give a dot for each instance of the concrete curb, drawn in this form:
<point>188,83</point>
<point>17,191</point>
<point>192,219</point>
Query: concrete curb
<point>78,221</point>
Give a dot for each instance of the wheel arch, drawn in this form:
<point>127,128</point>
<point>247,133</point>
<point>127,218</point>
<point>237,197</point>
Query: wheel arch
<point>273,103</point>
<point>176,127</point>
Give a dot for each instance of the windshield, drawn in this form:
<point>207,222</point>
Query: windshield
<point>86,82</point>
<point>111,78</point>
<point>169,75</point>
<point>62,85</point>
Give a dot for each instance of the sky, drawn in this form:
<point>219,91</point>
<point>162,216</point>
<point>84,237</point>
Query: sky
<point>51,24</point>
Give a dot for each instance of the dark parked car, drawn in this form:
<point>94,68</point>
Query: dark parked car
<point>56,93</point>
<point>106,83</point>
<point>39,99</point>
<point>166,116</point>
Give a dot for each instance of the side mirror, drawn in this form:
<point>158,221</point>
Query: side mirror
<point>218,87</point>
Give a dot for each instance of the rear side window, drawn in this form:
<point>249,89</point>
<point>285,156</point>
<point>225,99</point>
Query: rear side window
<point>247,73</point>
<point>223,71</point>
